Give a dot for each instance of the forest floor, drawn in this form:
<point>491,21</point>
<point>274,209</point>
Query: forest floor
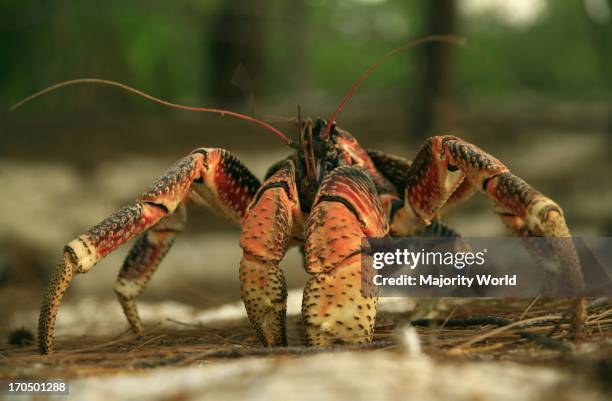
<point>190,354</point>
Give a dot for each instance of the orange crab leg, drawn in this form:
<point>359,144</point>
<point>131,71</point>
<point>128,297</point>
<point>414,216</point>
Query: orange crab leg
<point>266,233</point>
<point>142,261</point>
<point>345,210</point>
<point>211,177</point>
<point>442,173</point>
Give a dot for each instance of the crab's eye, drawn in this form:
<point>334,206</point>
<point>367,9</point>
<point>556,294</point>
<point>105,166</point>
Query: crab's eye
<point>329,166</point>
<point>326,167</point>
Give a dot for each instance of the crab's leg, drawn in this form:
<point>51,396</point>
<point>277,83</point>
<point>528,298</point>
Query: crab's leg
<point>212,177</point>
<point>440,174</point>
<point>447,170</point>
<point>266,233</point>
<point>334,307</point>
<point>142,261</point>
<point>397,170</point>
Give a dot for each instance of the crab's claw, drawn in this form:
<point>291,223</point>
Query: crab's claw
<point>337,306</point>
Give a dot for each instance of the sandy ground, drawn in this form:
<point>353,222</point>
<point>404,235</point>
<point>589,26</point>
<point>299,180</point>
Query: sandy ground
<point>354,376</point>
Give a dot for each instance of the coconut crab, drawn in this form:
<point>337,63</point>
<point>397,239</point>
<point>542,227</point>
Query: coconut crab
<point>327,195</point>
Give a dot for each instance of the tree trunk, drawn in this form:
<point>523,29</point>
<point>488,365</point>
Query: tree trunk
<point>237,38</point>
<point>435,109</point>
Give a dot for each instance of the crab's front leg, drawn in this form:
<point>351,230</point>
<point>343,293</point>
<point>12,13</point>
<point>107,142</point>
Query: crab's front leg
<point>266,233</point>
<point>84,252</point>
<point>447,169</point>
<point>439,176</point>
<point>334,307</point>
<point>211,177</point>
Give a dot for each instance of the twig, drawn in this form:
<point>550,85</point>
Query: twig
<point>598,302</point>
<point>98,346</point>
<point>237,352</point>
<point>449,316</point>
<point>528,308</point>
<point>196,325</point>
<point>150,340</point>
<point>473,321</point>
<point>502,322</point>
<point>521,323</point>
<point>601,315</point>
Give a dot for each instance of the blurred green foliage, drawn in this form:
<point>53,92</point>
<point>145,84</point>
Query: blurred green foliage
<point>310,46</point>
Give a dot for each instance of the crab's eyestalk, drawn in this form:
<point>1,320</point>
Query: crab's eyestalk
<point>310,156</point>
<point>316,152</point>
<point>302,140</point>
<point>313,161</point>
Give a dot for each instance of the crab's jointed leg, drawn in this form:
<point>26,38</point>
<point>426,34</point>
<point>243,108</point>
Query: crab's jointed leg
<point>211,177</point>
<point>438,174</point>
<point>334,307</point>
<point>266,233</point>
<point>446,171</point>
<point>142,261</point>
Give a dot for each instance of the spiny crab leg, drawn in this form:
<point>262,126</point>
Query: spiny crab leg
<point>81,254</point>
<point>439,177</point>
<point>211,177</point>
<point>58,284</point>
<point>142,261</point>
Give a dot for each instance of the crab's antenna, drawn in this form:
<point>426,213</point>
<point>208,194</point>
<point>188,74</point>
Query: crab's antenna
<point>221,112</point>
<point>450,39</point>
<point>275,118</point>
